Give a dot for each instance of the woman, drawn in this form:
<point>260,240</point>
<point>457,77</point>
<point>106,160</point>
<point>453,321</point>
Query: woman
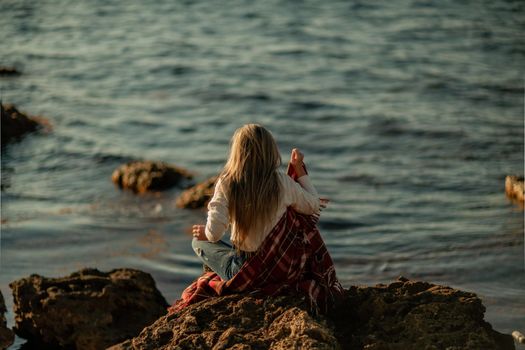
<point>277,248</point>
<point>252,194</point>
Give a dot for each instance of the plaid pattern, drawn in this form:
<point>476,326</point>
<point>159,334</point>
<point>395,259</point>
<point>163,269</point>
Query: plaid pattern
<point>292,259</point>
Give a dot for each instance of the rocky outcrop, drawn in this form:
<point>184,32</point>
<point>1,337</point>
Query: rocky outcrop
<point>237,322</point>
<point>6,335</point>
<point>144,176</point>
<point>15,124</point>
<point>88,309</point>
<point>401,315</point>
<point>514,189</point>
<point>197,196</point>
<point>93,310</point>
<point>415,315</point>
<point>9,71</point>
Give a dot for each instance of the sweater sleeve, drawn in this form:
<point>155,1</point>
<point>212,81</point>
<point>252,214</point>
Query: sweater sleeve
<point>218,217</point>
<point>303,195</point>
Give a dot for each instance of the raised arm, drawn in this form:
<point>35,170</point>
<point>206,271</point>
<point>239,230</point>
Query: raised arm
<point>304,196</point>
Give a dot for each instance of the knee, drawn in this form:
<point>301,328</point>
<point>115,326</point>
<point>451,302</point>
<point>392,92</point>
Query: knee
<point>195,244</point>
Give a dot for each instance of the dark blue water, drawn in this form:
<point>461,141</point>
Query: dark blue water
<point>410,114</point>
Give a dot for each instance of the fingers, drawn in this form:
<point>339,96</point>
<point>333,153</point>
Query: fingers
<point>297,156</point>
<point>197,230</point>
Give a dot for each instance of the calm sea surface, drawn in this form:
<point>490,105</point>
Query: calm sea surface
<point>410,114</point>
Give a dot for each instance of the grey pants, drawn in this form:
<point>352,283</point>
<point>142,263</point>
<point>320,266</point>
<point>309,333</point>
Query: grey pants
<point>221,257</point>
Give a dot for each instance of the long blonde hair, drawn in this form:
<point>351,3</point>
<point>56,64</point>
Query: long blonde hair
<point>250,180</point>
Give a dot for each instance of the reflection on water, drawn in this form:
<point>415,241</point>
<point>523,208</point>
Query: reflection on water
<point>410,115</point>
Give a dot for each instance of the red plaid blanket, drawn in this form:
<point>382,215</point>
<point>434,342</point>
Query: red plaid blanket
<point>292,259</point>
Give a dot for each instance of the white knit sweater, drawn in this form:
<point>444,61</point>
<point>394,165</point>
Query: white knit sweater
<point>302,196</point>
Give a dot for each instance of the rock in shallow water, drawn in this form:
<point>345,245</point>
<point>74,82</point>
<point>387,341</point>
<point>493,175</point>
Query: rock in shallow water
<point>88,309</point>
<point>15,124</point>
<point>514,189</point>
<point>6,335</point>
<point>144,176</point>
<point>197,196</point>
<point>403,315</point>
<point>9,71</point>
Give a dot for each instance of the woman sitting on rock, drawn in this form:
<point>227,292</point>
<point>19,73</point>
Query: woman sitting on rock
<point>277,248</point>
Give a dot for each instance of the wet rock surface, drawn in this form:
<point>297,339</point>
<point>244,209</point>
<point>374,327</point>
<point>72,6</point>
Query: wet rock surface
<point>87,310</point>
<point>197,196</point>
<point>6,335</point>
<point>15,124</point>
<point>145,176</point>
<point>237,322</point>
<point>401,315</point>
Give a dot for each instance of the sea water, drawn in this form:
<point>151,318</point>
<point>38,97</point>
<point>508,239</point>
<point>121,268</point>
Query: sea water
<point>409,112</point>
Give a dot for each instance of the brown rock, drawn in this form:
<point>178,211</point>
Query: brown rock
<point>6,335</point>
<point>9,71</point>
<point>414,315</point>
<point>403,315</point>
<point>514,189</point>
<point>197,196</point>
<point>15,123</point>
<point>237,322</point>
<point>144,176</point>
<point>88,309</point>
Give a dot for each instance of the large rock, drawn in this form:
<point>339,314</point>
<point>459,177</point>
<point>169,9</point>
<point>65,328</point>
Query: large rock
<point>144,176</point>
<point>415,315</point>
<point>88,309</point>
<point>15,124</point>
<point>402,315</point>
<point>237,322</point>
<point>197,196</point>
<point>6,335</point>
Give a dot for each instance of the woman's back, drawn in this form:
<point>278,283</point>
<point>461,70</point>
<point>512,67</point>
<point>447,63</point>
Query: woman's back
<point>300,195</point>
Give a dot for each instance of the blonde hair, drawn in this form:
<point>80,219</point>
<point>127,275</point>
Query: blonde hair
<point>251,181</point>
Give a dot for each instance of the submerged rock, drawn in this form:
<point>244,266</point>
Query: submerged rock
<point>6,335</point>
<point>88,309</point>
<point>15,123</point>
<point>399,316</point>
<point>197,196</point>
<point>237,322</point>
<point>514,188</point>
<point>144,176</point>
<point>9,71</point>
